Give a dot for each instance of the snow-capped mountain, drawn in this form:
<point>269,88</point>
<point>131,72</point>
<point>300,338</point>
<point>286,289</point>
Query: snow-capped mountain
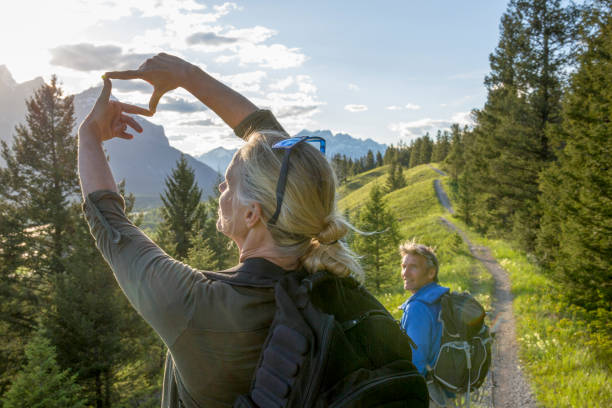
<point>342,143</point>
<point>217,159</point>
<point>12,102</point>
<point>144,162</point>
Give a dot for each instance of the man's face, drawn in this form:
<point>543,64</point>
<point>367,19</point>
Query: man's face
<point>415,272</point>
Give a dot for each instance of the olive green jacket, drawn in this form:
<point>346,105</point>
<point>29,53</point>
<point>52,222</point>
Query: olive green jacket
<point>214,331</point>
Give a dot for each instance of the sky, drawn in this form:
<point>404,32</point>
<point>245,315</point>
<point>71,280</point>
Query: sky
<point>385,70</point>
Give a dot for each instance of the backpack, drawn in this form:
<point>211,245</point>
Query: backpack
<point>464,358</point>
<point>331,344</point>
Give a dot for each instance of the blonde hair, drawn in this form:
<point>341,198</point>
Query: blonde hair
<point>309,225</point>
<point>414,248</point>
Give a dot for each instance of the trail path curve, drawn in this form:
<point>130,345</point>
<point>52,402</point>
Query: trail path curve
<point>442,197</point>
<point>510,387</point>
<point>440,172</point>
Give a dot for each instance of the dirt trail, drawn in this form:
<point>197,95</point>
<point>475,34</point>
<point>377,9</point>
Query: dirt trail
<point>440,172</point>
<point>442,197</point>
<point>510,388</point>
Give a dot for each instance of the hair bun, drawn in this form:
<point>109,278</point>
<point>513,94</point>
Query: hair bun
<point>335,228</point>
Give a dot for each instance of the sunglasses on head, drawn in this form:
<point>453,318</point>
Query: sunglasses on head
<point>289,144</point>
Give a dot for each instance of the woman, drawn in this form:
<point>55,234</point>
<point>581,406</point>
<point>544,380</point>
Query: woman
<point>278,203</point>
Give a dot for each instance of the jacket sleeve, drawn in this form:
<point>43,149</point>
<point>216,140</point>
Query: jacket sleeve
<point>261,119</point>
<point>160,288</point>
<point>418,325</point>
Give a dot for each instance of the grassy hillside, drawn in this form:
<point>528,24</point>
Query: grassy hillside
<point>418,211</point>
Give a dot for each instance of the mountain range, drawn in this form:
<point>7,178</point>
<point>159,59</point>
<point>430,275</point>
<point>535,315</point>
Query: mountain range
<point>13,102</point>
<point>340,143</point>
<point>146,160</point>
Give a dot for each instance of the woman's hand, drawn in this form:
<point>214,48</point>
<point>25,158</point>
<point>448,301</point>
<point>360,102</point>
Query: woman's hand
<point>165,72</point>
<point>107,119</point>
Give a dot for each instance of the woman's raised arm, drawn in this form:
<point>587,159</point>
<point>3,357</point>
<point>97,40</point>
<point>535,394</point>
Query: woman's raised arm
<point>167,72</point>
<point>106,120</point>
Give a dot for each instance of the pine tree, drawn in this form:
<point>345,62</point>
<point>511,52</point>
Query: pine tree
<point>181,210</point>
<point>379,159</point>
<point>395,178</point>
<point>390,155</point>
<point>455,161</point>
<point>201,256</point>
<point>416,154</point>
<point>527,71</point>
<point>577,190</point>
<point>37,187</point>
<point>369,161</point>
<point>465,186</point>
<point>426,149</point>
<point>441,146</point>
<point>41,383</point>
<point>40,178</point>
<point>341,168</point>
<point>379,250</point>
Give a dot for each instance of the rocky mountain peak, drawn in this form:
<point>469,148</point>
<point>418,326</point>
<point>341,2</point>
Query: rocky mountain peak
<point>6,78</point>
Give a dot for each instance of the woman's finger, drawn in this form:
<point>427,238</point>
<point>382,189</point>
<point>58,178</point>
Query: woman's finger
<point>130,121</point>
<point>105,94</point>
<point>125,135</point>
<point>157,94</point>
<point>129,74</point>
<point>127,108</point>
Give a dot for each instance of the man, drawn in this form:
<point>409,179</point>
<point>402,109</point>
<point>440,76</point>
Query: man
<point>421,310</point>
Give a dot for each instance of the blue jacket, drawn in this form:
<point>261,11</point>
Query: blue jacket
<point>420,321</point>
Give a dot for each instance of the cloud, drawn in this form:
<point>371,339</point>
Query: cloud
<point>409,106</point>
<point>275,56</point>
<point>203,122</point>
<point>197,8</point>
<point>90,57</point>
<point>417,128</point>
<point>180,105</point>
<point>282,84</point>
<point>356,108</point>
<point>210,38</point>
<point>254,35</point>
<point>244,81</point>
<point>353,87</point>
<point>177,137</point>
<point>305,84</point>
<point>132,86</point>
<point>296,110</point>
<point>462,118</point>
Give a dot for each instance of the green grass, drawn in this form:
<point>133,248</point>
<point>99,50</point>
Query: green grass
<point>358,181</point>
<point>566,352</point>
<point>418,212</point>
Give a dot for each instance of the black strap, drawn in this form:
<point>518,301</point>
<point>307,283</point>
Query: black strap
<point>282,183</point>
